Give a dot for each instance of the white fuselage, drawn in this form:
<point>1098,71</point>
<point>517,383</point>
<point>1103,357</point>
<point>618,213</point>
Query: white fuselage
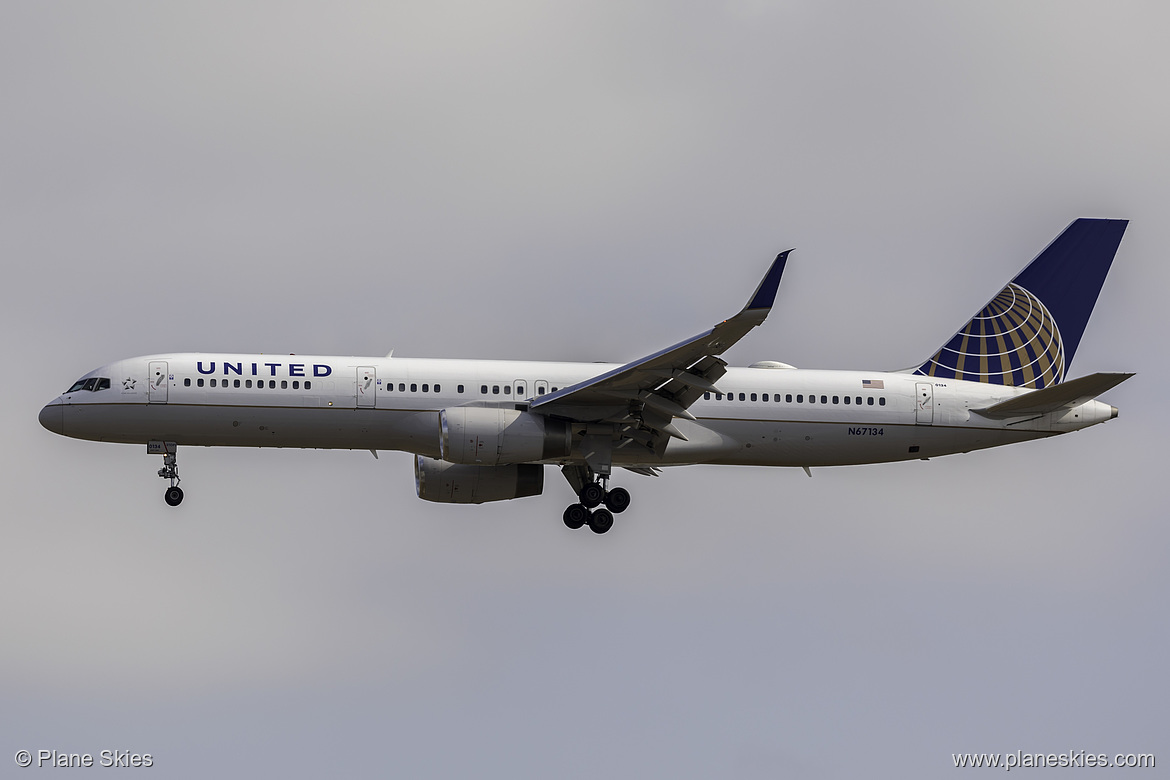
<point>763,416</point>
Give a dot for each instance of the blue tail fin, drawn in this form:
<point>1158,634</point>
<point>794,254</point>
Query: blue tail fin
<point>1027,335</point>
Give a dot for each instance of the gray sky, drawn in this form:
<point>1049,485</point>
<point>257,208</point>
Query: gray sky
<point>579,181</point>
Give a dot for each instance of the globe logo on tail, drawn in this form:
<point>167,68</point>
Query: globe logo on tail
<point>1013,340</point>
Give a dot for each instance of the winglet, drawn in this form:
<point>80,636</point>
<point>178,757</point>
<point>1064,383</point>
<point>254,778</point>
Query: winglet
<point>765,294</point>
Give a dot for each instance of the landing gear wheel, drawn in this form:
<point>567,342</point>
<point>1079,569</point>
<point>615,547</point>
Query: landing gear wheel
<point>617,500</point>
<point>592,495</point>
<point>170,469</point>
<point>601,521</point>
<point>576,516</point>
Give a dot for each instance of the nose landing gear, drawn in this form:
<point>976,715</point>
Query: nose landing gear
<point>170,470</point>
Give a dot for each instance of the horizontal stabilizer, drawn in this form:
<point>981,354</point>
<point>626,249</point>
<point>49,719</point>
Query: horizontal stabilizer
<point>1066,395</point>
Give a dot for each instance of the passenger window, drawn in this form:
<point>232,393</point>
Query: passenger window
<point>187,382</point>
<point>541,390</point>
<point>296,384</point>
<point>800,399</point>
<point>753,396</point>
<point>402,387</point>
<point>742,397</point>
<point>836,400</point>
<point>788,398</point>
<point>199,381</point>
<point>426,388</point>
<point>824,399</point>
<point>706,396</point>
<point>846,400</point>
<point>271,384</point>
<point>719,396</point>
<point>284,384</point>
<point>507,389</point>
<point>882,401</point>
<point>869,400</point>
<point>436,388</point>
<point>495,389</point>
<point>859,400</point>
<point>235,383</point>
<point>483,389</point>
<point>765,396</point>
<point>308,385</point>
<point>213,383</point>
<point>812,399</point>
<point>413,387</point>
<point>459,389</point>
<point>248,383</point>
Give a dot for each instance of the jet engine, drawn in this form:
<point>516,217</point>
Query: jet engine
<point>456,483</point>
<point>491,436</point>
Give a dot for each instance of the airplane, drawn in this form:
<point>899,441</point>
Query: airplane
<point>484,430</point>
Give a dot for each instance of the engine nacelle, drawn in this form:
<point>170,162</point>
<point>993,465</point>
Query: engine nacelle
<point>456,483</point>
<point>491,436</point>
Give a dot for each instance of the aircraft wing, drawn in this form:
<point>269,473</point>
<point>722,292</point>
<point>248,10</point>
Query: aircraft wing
<point>650,392</point>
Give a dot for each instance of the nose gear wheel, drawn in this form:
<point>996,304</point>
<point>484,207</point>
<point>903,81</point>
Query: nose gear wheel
<point>170,470</point>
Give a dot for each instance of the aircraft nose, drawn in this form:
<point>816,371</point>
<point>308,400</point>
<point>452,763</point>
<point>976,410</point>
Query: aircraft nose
<point>53,418</point>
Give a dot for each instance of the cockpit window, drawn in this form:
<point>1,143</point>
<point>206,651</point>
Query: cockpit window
<point>91,384</point>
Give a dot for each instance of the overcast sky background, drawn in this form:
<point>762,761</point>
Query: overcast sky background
<point>579,181</point>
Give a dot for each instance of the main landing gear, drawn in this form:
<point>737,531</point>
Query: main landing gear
<point>592,495</point>
<point>170,470</point>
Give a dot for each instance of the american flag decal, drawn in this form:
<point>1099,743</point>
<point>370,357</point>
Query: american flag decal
<point>873,384</point>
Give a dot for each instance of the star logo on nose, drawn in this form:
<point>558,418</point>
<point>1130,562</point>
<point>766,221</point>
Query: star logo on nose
<point>128,383</point>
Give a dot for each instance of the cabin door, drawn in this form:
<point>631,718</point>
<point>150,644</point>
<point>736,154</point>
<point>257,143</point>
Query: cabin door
<point>367,387</point>
<point>924,404</point>
<point>159,379</point>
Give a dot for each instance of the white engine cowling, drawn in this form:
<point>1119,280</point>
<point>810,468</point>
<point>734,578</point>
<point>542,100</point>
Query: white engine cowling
<point>457,483</point>
<point>491,436</point>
